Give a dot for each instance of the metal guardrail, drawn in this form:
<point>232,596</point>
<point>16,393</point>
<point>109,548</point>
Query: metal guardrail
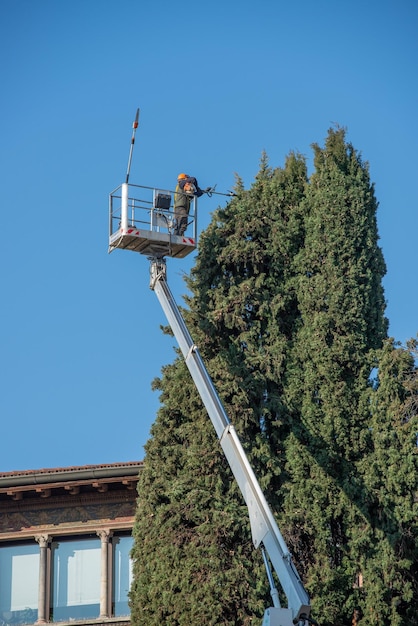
<point>147,208</point>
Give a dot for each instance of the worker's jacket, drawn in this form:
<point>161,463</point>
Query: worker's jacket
<point>183,199</point>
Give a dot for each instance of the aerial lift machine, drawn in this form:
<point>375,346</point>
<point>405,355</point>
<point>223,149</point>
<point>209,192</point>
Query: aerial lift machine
<point>141,219</point>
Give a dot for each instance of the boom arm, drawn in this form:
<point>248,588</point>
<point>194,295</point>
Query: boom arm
<point>265,532</point>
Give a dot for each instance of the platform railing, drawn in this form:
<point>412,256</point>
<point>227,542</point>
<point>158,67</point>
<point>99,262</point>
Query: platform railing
<point>146,208</point>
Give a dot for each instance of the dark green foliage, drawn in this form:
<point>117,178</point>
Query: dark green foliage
<point>244,303</point>
<point>194,559</point>
<point>388,559</point>
<point>193,554</point>
<point>287,309</point>
<point>341,304</point>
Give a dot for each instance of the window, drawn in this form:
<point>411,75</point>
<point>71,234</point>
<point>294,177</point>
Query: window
<point>76,579</point>
<point>19,576</point>
<point>122,574</point>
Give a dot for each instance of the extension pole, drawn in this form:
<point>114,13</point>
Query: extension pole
<point>134,127</point>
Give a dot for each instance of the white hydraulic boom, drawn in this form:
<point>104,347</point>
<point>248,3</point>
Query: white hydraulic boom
<point>265,532</point>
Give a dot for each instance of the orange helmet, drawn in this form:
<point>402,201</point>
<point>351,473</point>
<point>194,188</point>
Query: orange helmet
<point>181,176</point>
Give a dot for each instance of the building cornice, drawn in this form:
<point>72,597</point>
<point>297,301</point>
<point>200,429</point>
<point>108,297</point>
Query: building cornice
<point>67,474</point>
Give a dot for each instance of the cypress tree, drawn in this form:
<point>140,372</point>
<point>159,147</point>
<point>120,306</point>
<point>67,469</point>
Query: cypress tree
<point>341,304</point>
<point>287,309</point>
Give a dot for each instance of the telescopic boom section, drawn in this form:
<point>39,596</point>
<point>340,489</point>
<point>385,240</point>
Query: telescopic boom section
<point>264,529</point>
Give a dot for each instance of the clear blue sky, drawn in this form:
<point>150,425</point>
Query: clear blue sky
<point>217,83</point>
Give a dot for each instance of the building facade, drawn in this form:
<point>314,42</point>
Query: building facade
<point>65,541</point>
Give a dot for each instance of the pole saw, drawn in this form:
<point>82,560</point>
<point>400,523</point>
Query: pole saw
<point>211,190</point>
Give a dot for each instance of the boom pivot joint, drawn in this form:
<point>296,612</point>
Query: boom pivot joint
<point>158,271</point>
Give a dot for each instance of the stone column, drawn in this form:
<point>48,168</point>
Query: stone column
<point>104,572</point>
<point>43,541</point>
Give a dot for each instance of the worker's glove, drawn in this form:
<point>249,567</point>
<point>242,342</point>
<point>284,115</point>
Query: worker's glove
<point>209,191</point>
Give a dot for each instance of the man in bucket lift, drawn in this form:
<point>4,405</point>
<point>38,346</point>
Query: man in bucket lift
<point>186,188</point>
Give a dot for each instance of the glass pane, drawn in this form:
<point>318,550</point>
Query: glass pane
<point>19,575</point>
<point>122,574</point>
<point>76,579</point>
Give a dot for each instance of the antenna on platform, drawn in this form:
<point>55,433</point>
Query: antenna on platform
<point>134,127</point>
